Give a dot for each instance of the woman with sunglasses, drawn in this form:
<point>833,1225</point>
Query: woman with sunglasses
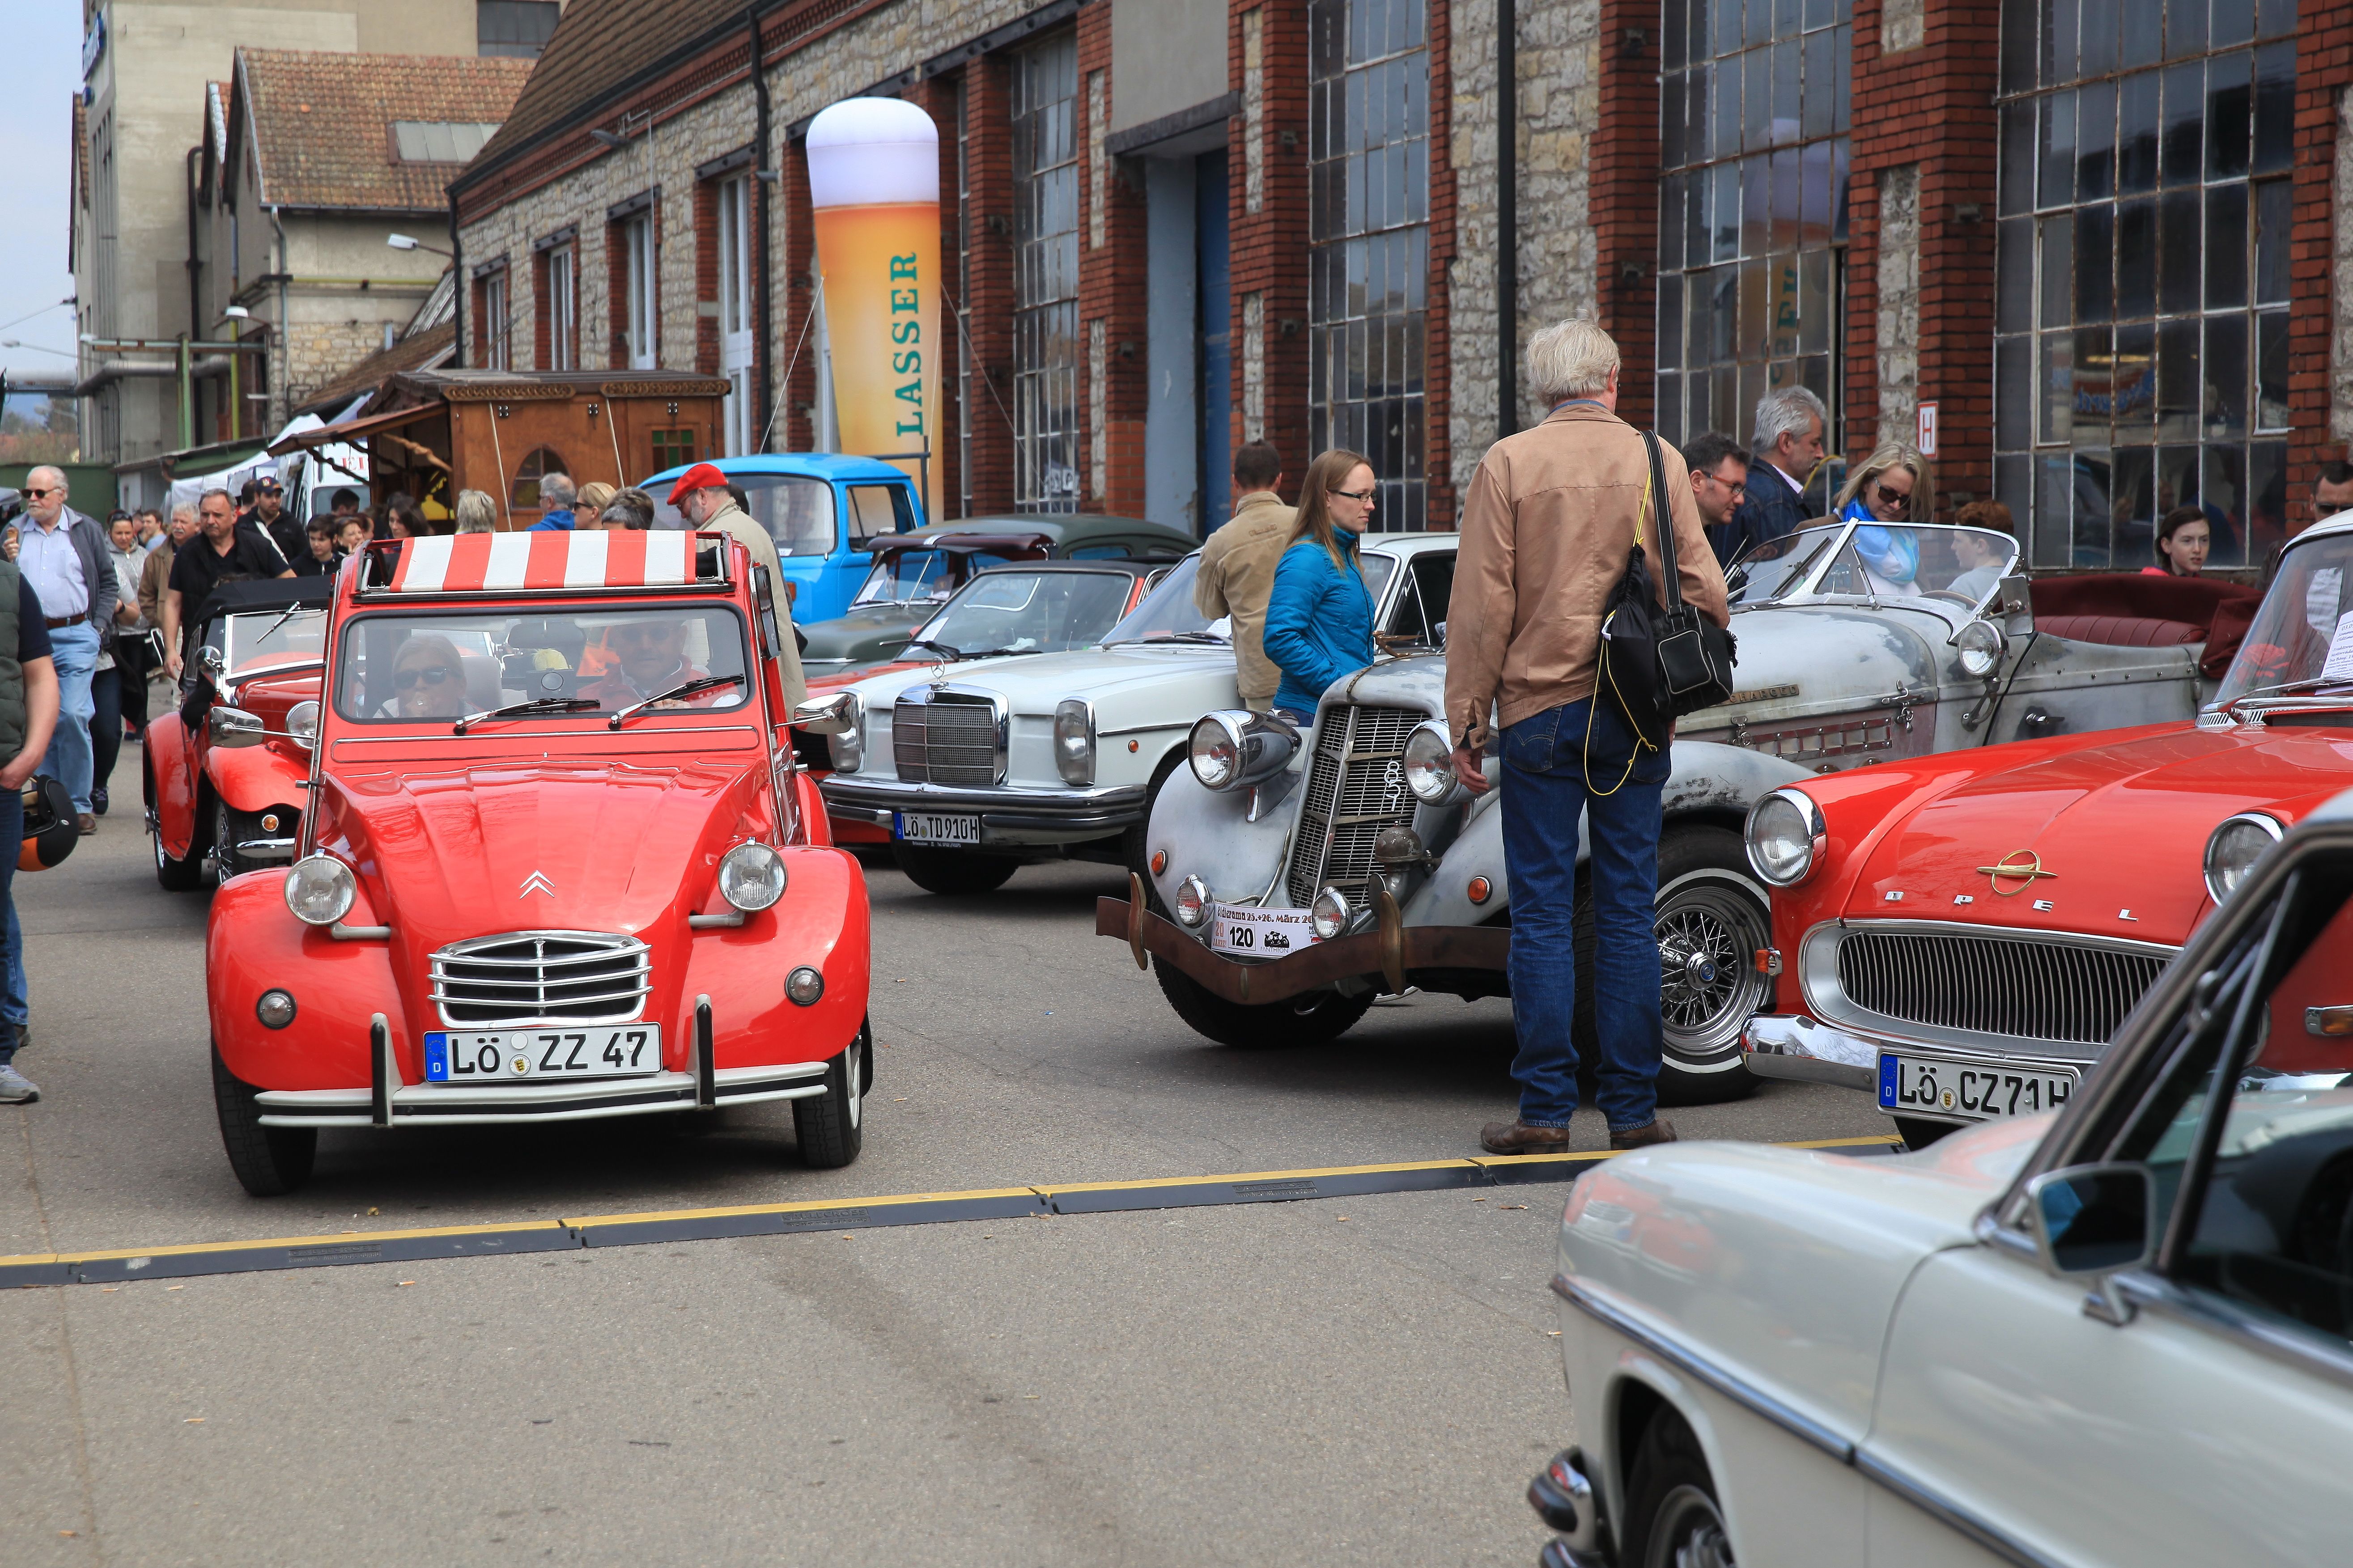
<point>1319,616</point>
<point>1893,486</point>
<point>429,679</point>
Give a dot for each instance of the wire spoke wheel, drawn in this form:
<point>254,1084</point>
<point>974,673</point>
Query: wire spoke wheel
<point>1709,926</point>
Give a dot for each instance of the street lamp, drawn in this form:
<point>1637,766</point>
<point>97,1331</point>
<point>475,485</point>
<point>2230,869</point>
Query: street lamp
<point>403,242</point>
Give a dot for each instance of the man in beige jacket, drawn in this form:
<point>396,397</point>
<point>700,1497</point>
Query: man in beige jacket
<point>1550,519</point>
<point>700,496</point>
<point>1237,572</point>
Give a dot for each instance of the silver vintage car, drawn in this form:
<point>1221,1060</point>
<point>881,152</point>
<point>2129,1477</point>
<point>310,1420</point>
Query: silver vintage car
<point>1295,875</point>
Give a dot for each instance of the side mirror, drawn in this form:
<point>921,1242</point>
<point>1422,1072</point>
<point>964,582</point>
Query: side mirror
<point>214,664</point>
<point>2094,1220</point>
<point>1439,631</point>
<point>833,715</point>
<point>2013,606</point>
<point>234,727</point>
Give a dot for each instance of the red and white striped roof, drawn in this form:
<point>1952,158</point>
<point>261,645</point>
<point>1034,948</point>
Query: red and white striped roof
<point>506,562</point>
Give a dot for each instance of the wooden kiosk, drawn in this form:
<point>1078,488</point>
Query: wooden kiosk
<point>435,433</point>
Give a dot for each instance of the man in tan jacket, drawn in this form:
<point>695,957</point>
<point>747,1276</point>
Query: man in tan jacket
<point>701,498</point>
<point>1551,517</point>
<point>1237,572</point>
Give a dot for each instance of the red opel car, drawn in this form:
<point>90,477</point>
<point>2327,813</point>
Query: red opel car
<point>559,863</point>
<point>1961,934</point>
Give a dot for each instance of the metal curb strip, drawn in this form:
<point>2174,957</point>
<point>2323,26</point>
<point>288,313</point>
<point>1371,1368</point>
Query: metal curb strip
<point>120,1264</point>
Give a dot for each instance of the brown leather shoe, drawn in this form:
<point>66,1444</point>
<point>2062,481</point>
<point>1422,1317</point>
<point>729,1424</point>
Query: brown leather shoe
<point>87,823</point>
<point>1652,1132</point>
<point>1519,1138</point>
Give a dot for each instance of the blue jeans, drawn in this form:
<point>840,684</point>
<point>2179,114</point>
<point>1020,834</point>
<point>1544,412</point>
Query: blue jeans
<point>1545,790</point>
<point>15,1004</point>
<point>75,651</point>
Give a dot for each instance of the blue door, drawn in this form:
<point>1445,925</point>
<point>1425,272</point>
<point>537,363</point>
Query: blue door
<point>1214,292</point>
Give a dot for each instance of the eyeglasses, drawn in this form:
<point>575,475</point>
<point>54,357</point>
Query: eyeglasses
<point>1365,496</point>
<point>431,675</point>
<point>1894,500</point>
<point>42,492</point>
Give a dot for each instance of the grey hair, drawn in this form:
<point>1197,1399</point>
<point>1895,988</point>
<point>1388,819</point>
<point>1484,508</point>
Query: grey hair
<point>475,512</point>
<point>556,491</point>
<point>1786,410</point>
<point>183,510</point>
<point>204,496</point>
<point>1570,359</point>
<point>52,470</point>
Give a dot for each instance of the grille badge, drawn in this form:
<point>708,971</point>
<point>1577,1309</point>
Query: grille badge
<point>2009,868</point>
<point>536,882</point>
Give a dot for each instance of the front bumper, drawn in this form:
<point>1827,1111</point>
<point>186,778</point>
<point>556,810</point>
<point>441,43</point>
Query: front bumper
<point>442,1105</point>
<point>1009,814</point>
<point>1797,1047</point>
<point>1394,950</point>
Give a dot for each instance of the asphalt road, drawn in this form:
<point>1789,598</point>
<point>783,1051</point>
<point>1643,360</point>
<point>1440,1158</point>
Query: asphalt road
<point>1276,1383</point>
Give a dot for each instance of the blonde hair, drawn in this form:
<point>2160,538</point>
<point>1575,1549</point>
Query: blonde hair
<point>1570,359</point>
<point>1327,473</point>
<point>476,513</point>
<point>593,497</point>
<point>1894,455</point>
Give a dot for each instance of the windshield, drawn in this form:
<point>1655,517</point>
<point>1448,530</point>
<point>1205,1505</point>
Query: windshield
<point>1378,569</point>
<point>251,642</point>
<point>1778,567</point>
<point>923,576</point>
<point>409,668</point>
<point>1167,612</point>
<point>1013,611</point>
<point>1959,565</point>
<point>2303,631</point>
<point>797,511</point>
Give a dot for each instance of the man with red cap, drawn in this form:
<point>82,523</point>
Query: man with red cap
<point>700,497</point>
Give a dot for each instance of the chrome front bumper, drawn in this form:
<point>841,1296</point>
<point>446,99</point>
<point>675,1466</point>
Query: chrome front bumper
<point>1008,814</point>
<point>446,1105</point>
<point>1792,1047</point>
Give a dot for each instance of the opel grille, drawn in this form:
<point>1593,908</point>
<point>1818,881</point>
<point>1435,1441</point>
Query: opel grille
<point>2002,988</point>
<point>1355,787</point>
<point>541,976</point>
<point>945,737</point>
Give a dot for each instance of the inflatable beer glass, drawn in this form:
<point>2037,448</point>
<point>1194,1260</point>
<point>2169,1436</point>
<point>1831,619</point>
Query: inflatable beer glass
<point>874,185</point>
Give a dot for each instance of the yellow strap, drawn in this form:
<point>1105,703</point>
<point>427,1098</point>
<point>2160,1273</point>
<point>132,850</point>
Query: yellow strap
<point>1641,745</point>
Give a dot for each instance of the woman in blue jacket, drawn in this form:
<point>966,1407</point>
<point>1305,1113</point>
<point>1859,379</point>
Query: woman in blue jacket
<point>1319,619</point>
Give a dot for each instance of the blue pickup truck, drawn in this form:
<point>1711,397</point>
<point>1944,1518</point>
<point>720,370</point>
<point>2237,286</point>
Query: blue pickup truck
<point>821,508</point>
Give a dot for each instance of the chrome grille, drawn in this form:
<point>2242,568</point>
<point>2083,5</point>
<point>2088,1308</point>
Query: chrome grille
<point>945,737</point>
<point>541,976</point>
<point>1355,787</point>
<point>2005,987</point>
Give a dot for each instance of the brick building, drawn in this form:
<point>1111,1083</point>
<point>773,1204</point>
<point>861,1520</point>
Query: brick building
<point>2098,238</point>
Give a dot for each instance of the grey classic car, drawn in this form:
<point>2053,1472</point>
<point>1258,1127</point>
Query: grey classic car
<point>1295,875</point>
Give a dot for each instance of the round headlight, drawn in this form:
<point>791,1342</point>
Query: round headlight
<point>751,876</point>
<point>1430,764</point>
<point>320,889</point>
<point>1215,751</point>
<point>1980,645</point>
<point>804,985</point>
<point>1785,837</point>
<point>1192,903</point>
<point>276,1009</point>
<point>303,724</point>
<point>2234,849</point>
<point>1328,916</point>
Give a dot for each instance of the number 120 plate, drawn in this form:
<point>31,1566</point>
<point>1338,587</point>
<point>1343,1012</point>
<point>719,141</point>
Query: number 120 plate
<point>452,1058</point>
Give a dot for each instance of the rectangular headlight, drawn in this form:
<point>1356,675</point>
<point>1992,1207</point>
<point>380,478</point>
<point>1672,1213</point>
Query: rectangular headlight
<point>1074,742</point>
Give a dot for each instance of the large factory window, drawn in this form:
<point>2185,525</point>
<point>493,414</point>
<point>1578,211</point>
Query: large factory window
<point>1045,276</point>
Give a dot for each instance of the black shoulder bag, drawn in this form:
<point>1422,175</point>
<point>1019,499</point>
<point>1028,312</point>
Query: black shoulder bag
<point>1656,664</point>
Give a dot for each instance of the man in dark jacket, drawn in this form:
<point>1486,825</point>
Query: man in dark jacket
<point>270,511</point>
<point>1792,425</point>
<point>63,555</point>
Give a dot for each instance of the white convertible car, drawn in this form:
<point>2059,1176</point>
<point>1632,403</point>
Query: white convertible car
<point>977,766</point>
<point>2113,1335</point>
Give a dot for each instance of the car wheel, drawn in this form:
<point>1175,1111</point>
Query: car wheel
<point>1312,1018</point>
<point>1709,920</point>
<point>176,876</point>
<point>1918,1132</point>
<point>268,1160</point>
<point>829,1125</point>
<point>230,828</point>
<point>1672,1519</point>
<point>953,871</point>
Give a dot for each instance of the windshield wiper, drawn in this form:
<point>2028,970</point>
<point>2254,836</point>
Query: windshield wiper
<point>940,647</point>
<point>2286,688</point>
<point>1173,637</point>
<point>536,705</point>
<point>708,683</point>
<point>283,616</point>
<point>999,652</point>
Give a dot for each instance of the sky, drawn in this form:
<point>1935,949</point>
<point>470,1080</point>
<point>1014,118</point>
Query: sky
<point>35,138</point>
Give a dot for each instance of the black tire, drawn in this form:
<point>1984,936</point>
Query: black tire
<point>827,1126</point>
<point>953,871</point>
<point>230,828</point>
<point>1918,1132</point>
<point>1672,1518</point>
<point>176,876</point>
<point>1312,1018</point>
<point>1712,910</point>
<point>270,1161</point>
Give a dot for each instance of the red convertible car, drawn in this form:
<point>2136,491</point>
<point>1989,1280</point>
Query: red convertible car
<point>535,885</point>
<point>225,770</point>
<point>1961,934</point>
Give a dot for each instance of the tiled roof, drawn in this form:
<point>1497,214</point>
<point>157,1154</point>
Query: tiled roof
<point>323,122</point>
<point>601,45</point>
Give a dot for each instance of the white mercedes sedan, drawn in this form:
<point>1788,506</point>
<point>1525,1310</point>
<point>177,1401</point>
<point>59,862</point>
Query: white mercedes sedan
<point>2114,1334</point>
